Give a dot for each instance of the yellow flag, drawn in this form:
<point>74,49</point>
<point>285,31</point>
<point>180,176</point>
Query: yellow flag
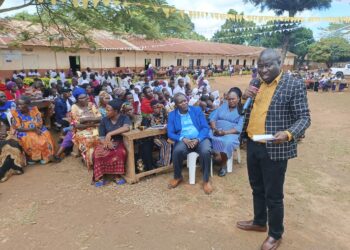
<point>95,3</point>
<point>106,2</point>
<point>54,2</point>
<point>75,3</point>
<point>182,13</point>
<point>40,1</point>
<point>166,12</point>
<point>117,3</point>
<point>85,3</point>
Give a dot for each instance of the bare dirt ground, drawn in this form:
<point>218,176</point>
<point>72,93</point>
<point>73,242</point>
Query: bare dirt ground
<point>55,207</point>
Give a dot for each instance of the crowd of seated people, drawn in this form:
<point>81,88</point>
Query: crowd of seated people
<point>321,81</point>
<point>93,110</point>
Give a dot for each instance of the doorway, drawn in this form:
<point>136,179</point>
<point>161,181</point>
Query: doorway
<point>147,63</point>
<point>74,63</point>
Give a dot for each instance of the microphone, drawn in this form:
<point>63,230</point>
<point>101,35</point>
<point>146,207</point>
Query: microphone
<point>255,83</point>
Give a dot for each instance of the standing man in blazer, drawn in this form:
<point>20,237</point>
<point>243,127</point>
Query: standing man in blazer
<point>279,108</point>
<point>188,128</point>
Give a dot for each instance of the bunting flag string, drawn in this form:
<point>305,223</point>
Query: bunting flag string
<point>252,28</point>
<point>168,10</point>
<point>258,33</point>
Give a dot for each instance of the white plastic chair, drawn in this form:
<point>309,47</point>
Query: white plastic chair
<point>191,164</point>
<point>230,161</point>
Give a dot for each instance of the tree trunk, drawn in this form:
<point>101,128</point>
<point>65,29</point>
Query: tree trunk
<point>286,38</point>
<point>285,46</point>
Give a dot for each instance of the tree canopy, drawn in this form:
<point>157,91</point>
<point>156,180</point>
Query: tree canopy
<point>269,35</point>
<point>74,22</point>
<point>330,50</point>
<point>235,32</point>
<point>292,8</point>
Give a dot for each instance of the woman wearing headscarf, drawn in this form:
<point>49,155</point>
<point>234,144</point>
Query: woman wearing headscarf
<point>12,92</point>
<point>12,158</point>
<point>226,124</point>
<point>85,118</point>
<point>33,136</point>
<point>110,156</point>
<point>103,99</point>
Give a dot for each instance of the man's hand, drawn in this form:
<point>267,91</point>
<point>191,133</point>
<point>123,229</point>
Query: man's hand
<point>280,137</point>
<point>187,142</point>
<point>251,92</point>
<point>190,143</point>
<point>194,143</point>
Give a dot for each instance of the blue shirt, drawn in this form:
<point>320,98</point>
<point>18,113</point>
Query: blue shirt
<point>198,120</point>
<point>188,130</point>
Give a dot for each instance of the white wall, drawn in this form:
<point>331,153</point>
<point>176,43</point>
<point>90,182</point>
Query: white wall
<point>45,58</point>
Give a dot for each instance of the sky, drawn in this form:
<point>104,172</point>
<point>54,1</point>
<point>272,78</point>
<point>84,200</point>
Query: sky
<point>208,26</point>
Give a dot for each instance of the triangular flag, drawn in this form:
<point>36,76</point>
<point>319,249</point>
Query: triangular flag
<point>106,2</point>
<point>182,13</point>
<point>166,12</point>
<point>85,3</point>
<point>75,3</point>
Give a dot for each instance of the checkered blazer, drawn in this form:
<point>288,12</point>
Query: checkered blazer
<point>288,110</point>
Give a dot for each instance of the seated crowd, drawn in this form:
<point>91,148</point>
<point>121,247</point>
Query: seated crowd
<point>92,111</point>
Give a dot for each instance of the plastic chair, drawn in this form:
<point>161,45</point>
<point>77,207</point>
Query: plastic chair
<point>191,164</point>
<point>230,161</point>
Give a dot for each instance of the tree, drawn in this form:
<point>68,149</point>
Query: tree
<point>300,39</point>
<point>330,50</point>
<point>235,32</point>
<point>292,8</point>
<point>130,17</point>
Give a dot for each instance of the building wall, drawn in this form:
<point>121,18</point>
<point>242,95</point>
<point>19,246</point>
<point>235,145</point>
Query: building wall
<point>43,58</point>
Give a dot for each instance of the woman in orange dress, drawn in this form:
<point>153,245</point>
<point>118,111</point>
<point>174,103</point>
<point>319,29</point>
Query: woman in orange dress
<point>35,139</point>
<point>85,118</point>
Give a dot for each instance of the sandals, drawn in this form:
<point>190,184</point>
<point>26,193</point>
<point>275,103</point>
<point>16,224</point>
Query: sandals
<point>30,162</point>
<point>120,181</point>
<point>57,159</point>
<point>100,183</point>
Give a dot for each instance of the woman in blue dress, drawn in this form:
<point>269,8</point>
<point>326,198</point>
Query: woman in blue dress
<point>226,124</point>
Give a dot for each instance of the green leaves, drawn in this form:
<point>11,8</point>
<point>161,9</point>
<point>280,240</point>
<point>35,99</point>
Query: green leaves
<point>330,50</point>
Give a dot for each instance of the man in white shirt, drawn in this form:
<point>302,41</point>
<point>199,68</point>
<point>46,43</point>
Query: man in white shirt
<point>62,76</point>
<point>180,88</point>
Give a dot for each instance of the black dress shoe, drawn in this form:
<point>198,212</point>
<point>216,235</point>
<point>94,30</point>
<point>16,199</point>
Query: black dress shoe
<point>222,172</point>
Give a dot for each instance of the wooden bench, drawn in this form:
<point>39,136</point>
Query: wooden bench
<point>131,176</point>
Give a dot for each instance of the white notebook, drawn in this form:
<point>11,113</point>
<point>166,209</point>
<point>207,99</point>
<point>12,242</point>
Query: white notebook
<point>263,138</point>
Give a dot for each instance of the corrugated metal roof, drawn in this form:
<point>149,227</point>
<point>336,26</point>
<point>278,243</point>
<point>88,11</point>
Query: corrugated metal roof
<point>107,41</point>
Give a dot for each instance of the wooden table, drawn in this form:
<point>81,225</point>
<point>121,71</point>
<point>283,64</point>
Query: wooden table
<point>129,138</point>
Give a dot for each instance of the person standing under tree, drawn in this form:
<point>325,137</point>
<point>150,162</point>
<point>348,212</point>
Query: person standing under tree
<point>280,108</point>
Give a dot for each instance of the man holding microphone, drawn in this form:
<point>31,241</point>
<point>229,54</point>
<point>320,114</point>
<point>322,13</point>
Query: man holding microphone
<point>279,108</point>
